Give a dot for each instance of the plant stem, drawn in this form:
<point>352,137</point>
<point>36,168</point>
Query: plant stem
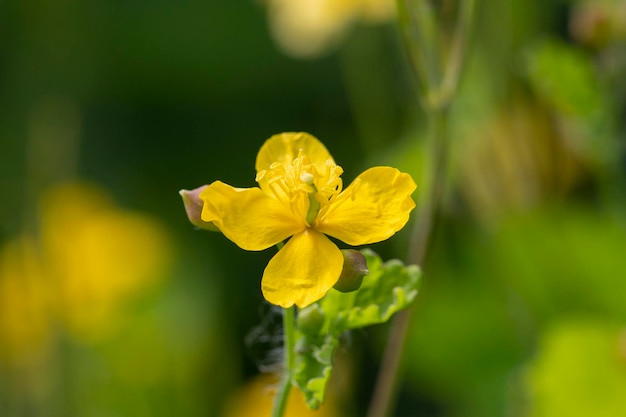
<point>439,83</point>
<point>289,327</point>
<point>386,385</point>
<point>455,63</point>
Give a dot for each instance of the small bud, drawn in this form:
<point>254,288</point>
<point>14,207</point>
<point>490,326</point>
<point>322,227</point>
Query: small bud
<point>354,269</point>
<point>311,320</point>
<point>193,207</point>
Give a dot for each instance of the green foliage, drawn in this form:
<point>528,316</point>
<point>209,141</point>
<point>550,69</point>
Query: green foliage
<point>579,371</point>
<point>563,261</point>
<point>564,76</point>
<point>492,296</point>
<point>388,288</point>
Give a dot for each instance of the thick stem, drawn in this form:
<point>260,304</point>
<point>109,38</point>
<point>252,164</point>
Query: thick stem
<point>282,395</point>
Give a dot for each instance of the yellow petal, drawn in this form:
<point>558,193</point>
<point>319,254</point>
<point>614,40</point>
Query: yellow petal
<point>302,271</point>
<point>374,207</point>
<point>248,216</point>
<point>284,147</point>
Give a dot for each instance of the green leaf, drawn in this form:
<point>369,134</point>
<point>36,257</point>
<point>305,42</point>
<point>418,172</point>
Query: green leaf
<point>565,77</point>
<point>388,288</point>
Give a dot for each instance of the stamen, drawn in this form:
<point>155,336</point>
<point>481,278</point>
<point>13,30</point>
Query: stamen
<point>278,186</point>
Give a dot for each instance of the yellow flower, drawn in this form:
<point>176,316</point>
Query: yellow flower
<point>300,196</point>
<point>89,260</point>
<point>25,324</point>
<point>307,28</point>
<point>99,256</point>
<point>256,398</point>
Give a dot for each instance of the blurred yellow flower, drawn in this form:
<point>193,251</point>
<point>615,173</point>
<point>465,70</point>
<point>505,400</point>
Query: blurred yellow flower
<point>98,256</point>
<point>301,197</point>
<point>89,259</point>
<point>306,28</point>
<point>256,400</point>
<point>24,316</point>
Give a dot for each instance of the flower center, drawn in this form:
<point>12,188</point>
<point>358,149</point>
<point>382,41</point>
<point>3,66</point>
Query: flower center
<point>304,187</point>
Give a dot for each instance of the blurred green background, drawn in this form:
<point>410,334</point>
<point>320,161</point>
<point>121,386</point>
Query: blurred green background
<point>111,304</point>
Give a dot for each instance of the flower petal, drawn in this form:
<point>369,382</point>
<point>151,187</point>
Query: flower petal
<point>248,216</point>
<point>284,147</point>
<point>374,207</point>
<point>302,271</point>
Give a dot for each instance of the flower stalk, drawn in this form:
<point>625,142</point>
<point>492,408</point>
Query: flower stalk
<point>439,81</point>
<point>386,385</point>
<point>282,394</point>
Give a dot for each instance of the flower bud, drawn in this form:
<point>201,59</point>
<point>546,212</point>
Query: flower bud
<point>354,269</point>
<point>193,207</point>
<point>311,320</point>
<point>598,24</point>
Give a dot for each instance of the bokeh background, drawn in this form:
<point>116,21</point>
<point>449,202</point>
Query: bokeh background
<point>111,304</point>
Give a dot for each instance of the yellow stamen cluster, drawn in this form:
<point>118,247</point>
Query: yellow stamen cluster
<point>302,186</point>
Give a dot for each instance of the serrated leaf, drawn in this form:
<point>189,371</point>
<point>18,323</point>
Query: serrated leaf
<point>388,288</point>
<point>313,368</point>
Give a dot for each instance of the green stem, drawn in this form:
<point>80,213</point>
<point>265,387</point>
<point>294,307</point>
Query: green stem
<point>289,326</point>
<point>455,63</point>
<point>418,28</point>
<point>439,85</point>
<point>421,235</point>
<point>432,196</point>
<point>52,156</point>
